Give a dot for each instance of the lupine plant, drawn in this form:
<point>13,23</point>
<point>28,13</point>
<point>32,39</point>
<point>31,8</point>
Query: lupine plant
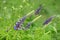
<point>38,10</point>
<point>12,10</point>
<point>21,21</point>
<point>28,25</point>
<point>18,24</point>
<point>48,20</point>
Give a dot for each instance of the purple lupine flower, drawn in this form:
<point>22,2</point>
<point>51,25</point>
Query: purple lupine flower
<point>28,25</point>
<point>18,24</point>
<point>48,20</point>
<point>38,10</point>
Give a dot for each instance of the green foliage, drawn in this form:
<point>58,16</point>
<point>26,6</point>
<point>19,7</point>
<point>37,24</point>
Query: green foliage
<point>12,10</point>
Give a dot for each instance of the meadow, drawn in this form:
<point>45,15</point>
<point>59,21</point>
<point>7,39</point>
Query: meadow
<point>11,11</point>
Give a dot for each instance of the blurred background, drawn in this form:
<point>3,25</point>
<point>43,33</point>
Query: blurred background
<point>12,10</point>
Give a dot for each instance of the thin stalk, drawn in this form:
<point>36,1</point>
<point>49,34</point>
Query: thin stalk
<point>28,25</point>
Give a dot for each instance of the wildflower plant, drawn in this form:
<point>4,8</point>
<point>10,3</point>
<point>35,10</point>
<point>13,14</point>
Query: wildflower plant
<point>10,11</point>
<point>48,21</point>
<point>38,10</point>
<point>21,21</point>
<point>28,25</point>
<point>18,24</point>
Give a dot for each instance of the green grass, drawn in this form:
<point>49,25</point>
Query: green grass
<point>12,10</point>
